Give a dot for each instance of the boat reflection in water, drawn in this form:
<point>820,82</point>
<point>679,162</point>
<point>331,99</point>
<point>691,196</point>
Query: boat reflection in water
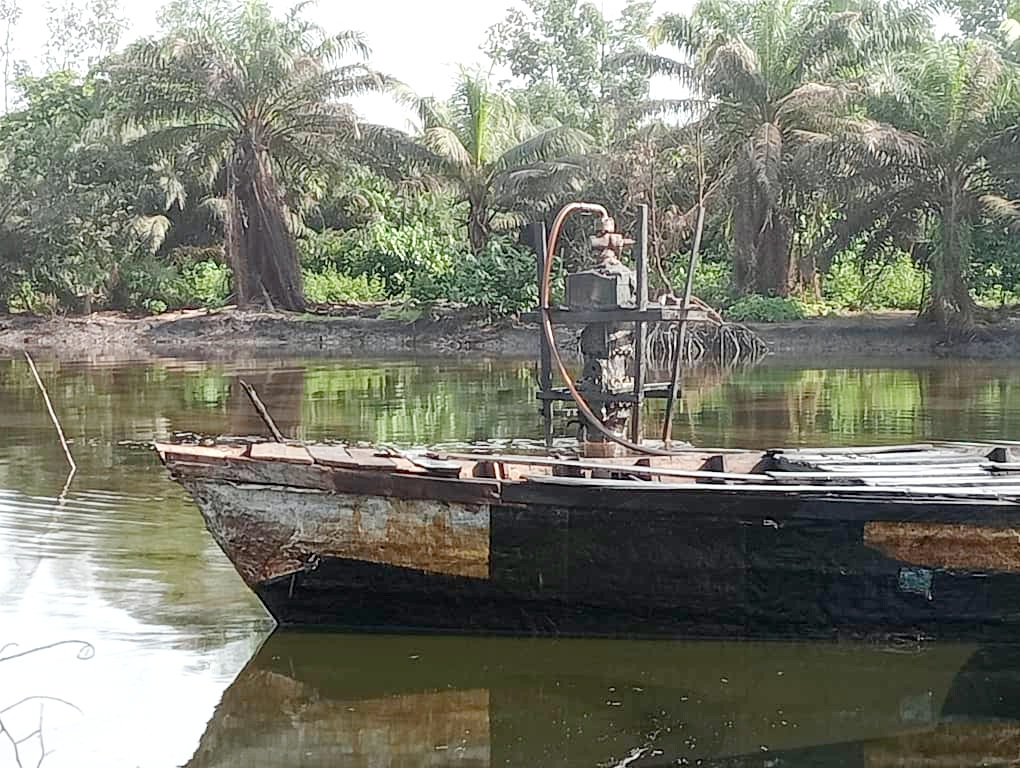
<point>339,700</point>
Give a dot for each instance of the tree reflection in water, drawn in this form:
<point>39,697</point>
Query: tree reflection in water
<point>309,699</point>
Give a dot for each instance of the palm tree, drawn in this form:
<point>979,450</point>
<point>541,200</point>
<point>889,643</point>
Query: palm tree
<point>770,80</point>
<point>956,107</point>
<point>258,102</point>
<point>501,165</point>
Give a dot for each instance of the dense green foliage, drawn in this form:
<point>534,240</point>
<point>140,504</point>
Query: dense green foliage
<point>765,309</point>
<point>845,158</point>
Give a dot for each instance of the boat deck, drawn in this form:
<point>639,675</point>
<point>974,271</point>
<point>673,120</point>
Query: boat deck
<point>940,469</point>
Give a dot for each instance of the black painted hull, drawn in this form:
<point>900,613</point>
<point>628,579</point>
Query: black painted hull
<point>698,569</point>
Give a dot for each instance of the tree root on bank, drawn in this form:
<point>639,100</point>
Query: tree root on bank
<point>715,342</point>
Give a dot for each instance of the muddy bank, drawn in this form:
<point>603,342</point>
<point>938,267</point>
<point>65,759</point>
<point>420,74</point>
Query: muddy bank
<point>889,335</point>
<point>234,333</point>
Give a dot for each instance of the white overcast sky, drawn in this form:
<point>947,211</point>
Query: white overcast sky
<point>421,43</point>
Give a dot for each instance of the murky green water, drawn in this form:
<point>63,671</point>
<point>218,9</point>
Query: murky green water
<point>173,673</point>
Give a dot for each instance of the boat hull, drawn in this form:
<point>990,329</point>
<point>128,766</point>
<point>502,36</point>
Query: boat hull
<point>614,562</point>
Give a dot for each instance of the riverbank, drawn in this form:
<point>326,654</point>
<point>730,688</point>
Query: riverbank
<point>367,331</point>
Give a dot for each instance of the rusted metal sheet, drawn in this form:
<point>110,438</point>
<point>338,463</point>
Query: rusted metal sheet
<point>270,532</point>
<point>940,545</point>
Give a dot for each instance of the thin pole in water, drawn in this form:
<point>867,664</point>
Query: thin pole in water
<point>263,412</point>
<point>53,416</point>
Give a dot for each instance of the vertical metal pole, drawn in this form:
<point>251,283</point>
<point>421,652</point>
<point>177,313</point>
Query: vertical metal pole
<point>536,235</point>
<point>640,328</point>
<point>681,331</point>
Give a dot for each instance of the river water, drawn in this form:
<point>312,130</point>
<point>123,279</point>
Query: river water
<point>160,657</point>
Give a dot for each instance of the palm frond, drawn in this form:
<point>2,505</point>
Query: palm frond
<point>544,146</point>
<point>734,73</point>
<point>152,230</point>
<point>1002,208</point>
<point>812,99</point>
<point>691,108</point>
<point>655,65</point>
<point>445,144</point>
<point>677,31</point>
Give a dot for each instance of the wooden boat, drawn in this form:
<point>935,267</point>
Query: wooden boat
<point>311,699</point>
<point>920,540</point>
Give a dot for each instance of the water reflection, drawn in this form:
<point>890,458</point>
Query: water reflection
<point>428,402</point>
<point>310,699</point>
<point>124,563</point>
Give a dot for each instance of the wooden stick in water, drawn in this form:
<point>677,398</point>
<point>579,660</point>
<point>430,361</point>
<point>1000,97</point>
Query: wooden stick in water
<point>53,416</point>
<point>262,411</point>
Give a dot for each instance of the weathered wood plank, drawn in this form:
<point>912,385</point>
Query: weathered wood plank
<point>331,456</point>
<point>623,469</point>
<point>986,480</point>
<point>859,449</point>
<point>434,466</point>
<point>350,458</point>
<point>293,454</point>
<point>317,477</point>
<point>809,478</point>
<point>203,451</point>
<point>891,460</point>
<point>369,458</point>
<point>907,470</point>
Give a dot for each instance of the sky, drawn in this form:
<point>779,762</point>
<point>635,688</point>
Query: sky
<point>420,43</point>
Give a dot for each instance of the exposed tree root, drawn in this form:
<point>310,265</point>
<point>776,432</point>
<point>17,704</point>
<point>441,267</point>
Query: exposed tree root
<point>716,342</point>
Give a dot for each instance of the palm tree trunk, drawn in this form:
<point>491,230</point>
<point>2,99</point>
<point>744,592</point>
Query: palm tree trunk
<point>259,244</point>
<point>478,223</point>
<point>951,305</point>
<point>744,231</point>
<point>775,275</point>
<point>762,258</point>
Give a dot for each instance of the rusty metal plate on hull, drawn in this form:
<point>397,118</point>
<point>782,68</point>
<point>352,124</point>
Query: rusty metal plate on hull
<point>941,545</point>
<point>270,532</point>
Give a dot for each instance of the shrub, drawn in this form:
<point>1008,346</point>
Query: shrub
<point>995,267</point>
<point>765,309</point>
<point>892,282</point>
<point>408,260</point>
<point>204,284</point>
<point>712,279</point>
<point>501,278</point>
<point>411,245</point>
<point>332,287</point>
